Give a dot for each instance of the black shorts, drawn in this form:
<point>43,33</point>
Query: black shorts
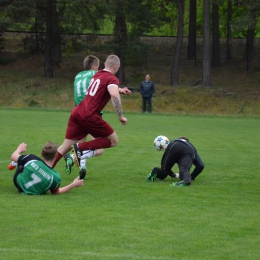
<point>18,171</point>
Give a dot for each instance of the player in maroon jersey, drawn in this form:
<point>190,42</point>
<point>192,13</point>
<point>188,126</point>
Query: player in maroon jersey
<point>85,118</point>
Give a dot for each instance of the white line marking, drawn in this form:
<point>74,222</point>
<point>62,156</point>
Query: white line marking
<point>6,161</point>
<point>124,256</point>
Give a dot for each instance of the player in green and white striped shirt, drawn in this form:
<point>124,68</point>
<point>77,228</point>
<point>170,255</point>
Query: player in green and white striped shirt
<point>81,83</point>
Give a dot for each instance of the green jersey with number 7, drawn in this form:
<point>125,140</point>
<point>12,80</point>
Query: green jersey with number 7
<point>36,177</point>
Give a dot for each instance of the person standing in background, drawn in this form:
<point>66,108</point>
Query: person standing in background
<point>147,90</point>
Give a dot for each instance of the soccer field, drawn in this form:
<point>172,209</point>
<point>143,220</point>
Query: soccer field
<point>117,214</point>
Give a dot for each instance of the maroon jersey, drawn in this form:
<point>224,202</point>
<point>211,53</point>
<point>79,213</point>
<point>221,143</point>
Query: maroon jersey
<point>97,95</point>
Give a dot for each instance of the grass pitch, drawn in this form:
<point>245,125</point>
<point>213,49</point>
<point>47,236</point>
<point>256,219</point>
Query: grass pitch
<point>117,214</point>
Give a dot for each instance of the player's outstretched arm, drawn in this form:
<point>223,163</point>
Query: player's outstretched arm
<point>125,91</point>
<point>20,149</point>
<point>76,183</point>
<point>116,102</point>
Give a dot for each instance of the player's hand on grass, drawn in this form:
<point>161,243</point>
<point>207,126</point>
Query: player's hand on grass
<point>123,120</point>
<point>77,182</point>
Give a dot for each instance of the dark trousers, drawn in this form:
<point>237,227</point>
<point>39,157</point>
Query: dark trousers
<point>18,171</point>
<point>180,153</point>
<point>199,166</point>
<point>149,101</point>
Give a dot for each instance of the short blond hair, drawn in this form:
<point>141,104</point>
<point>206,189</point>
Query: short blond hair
<point>49,151</point>
<point>89,61</point>
<point>112,60</point>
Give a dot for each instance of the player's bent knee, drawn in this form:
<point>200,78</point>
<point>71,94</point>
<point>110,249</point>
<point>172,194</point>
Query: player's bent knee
<point>114,143</point>
<point>201,167</point>
<point>99,152</point>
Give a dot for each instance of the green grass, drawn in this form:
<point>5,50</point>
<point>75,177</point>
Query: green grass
<point>117,214</point>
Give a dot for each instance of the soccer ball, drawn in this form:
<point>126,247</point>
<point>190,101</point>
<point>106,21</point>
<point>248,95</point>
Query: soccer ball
<point>161,142</point>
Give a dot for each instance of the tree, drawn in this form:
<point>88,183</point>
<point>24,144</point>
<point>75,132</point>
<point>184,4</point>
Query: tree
<point>81,16</point>
<point>215,35</point>
<point>178,45</point>
<point>53,18</point>
<point>4,23</point>
<point>56,34</point>
<point>229,32</point>
<point>245,24</point>
<point>120,38</point>
<point>48,62</point>
<point>52,52</point>
<point>131,19</point>
<point>57,13</point>
<point>253,9</point>
<point>13,12</point>
<point>192,37</point>
<point>206,67</point>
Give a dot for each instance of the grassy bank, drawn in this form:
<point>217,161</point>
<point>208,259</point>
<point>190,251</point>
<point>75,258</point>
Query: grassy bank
<point>30,90</point>
<point>235,90</point>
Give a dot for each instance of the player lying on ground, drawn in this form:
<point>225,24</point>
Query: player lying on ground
<point>182,152</point>
<point>35,176</point>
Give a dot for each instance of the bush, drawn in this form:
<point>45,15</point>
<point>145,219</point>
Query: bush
<point>33,43</point>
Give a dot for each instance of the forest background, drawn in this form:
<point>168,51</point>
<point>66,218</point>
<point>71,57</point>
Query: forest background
<point>202,55</point>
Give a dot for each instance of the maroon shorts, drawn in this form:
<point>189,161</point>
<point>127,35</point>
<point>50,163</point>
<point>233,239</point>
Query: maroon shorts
<point>94,125</point>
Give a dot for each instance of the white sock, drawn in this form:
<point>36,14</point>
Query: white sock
<point>87,154</point>
<point>83,163</point>
<point>14,163</point>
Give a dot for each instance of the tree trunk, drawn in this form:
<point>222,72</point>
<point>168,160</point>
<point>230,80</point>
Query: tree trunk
<point>215,36</point>
<point>178,45</point>
<point>37,35</point>
<point>229,32</point>
<point>206,68</point>
<point>56,37</point>
<point>249,50</point>
<point>48,64</point>
<point>120,39</point>
<point>250,37</point>
<point>191,54</point>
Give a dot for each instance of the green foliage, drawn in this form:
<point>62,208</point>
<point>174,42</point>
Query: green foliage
<point>155,17</point>
<point>117,214</point>
<point>4,59</point>
<point>33,44</point>
<point>79,15</point>
<point>68,48</point>
<point>4,24</point>
<point>136,53</point>
<point>165,16</point>
<point>243,19</point>
<point>19,13</point>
